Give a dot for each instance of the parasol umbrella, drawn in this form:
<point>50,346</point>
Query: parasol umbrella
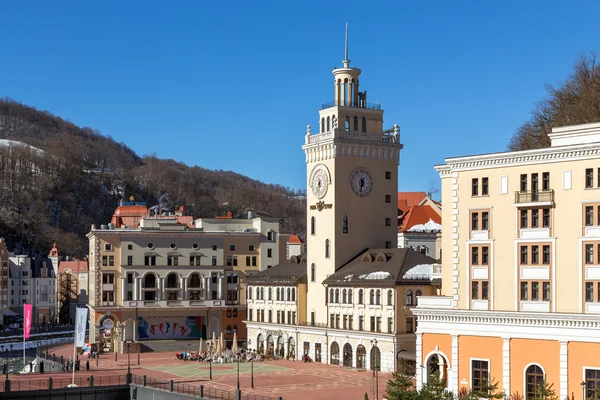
<point>234,347</point>
<point>214,342</point>
<point>222,342</point>
<point>201,347</point>
<point>219,348</point>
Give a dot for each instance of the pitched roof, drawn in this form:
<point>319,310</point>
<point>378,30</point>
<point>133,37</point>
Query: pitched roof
<point>295,239</point>
<point>287,273</point>
<point>409,199</point>
<point>384,267</point>
<point>417,215</point>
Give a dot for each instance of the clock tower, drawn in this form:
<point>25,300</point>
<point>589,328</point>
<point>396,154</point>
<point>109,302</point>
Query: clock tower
<point>352,184</point>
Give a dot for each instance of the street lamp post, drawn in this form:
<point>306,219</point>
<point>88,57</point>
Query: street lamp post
<point>583,388</point>
<point>376,371</point>
<point>252,374</point>
<point>129,357</point>
<point>6,360</point>
<point>210,360</point>
<point>238,371</point>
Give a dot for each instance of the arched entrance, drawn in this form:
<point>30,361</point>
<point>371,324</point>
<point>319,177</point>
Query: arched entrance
<point>361,357</point>
<point>437,366</point>
<point>270,345</point>
<point>375,359</point>
<point>347,355</point>
<point>335,354</point>
<point>280,350</point>
<point>260,344</point>
<point>292,348</point>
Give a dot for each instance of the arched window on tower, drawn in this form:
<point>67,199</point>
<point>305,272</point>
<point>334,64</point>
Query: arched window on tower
<point>344,294</point>
<point>312,225</point>
<point>378,297</point>
<point>326,248</point>
<point>337,295</point>
<point>349,296</point>
<point>389,297</point>
<point>322,125</point>
<point>331,298</point>
<point>360,296</point>
<point>364,124</point>
<point>328,121</point>
<point>372,297</point>
<point>345,223</point>
<point>347,124</point>
<point>356,124</point>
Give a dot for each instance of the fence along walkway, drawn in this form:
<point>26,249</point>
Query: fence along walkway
<point>62,382</point>
<point>196,390</point>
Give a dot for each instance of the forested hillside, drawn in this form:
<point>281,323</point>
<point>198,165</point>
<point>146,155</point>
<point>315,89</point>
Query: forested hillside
<point>575,101</point>
<point>56,179</point>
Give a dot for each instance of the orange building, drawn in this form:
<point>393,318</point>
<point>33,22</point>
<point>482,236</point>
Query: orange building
<point>520,297</point>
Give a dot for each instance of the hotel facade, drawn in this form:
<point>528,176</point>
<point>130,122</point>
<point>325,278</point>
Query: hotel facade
<point>521,273</point>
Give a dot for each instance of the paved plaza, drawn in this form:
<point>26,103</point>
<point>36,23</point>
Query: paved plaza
<point>292,380</point>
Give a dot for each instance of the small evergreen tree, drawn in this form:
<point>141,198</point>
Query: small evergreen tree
<point>435,389</point>
<point>398,385</point>
<point>489,391</point>
<point>545,391</point>
<point>366,396</point>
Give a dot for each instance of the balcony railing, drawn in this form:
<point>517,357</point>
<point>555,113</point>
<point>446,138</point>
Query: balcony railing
<point>317,324</point>
<point>341,103</point>
<point>534,196</point>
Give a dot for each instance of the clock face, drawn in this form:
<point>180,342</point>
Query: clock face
<point>319,184</point>
<point>361,182</point>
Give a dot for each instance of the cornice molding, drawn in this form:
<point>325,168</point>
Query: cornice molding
<point>537,156</point>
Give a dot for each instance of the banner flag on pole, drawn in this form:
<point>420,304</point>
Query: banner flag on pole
<point>28,314</point>
<point>80,324</point>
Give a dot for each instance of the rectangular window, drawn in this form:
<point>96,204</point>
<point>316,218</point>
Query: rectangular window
<point>485,223</point>
<point>589,178</point>
<point>235,261</point>
<point>270,253</point>
<point>172,260</point>
<point>213,277</point>
<point>474,255</point>
<point>589,254</point>
<point>388,245</point>
<point>250,314</point>
<point>480,375</point>
<point>523,182</point>
<point>534,184</point>
<point>270,316</point>
<point>214,247</point>
<point>524,223</point>
<point>105,260</point>
<point>345,322</point>
<point>337,321</point>
<point>129,278</point>
<point>589,215</point>
<point>229,261</point>
<point>361,323</point>
<point>388,222</point>
<point>251,247</point>
<point>546,291</point>
<point>129,295</point>
<point>546,181</point>
<point>129,247</point>
<point>546,254</point>
<point>129,260</point>
<point>475,221</point>
<point>350,318</point>
<point>388,174</point>
<point>475,290</point>
<point>475,187</point>
<point>372,324</point>
<point>270,236</point>
<point>388,198</point>
<point>589,291</point>
<point>535,218</point>
<point>485,255</point>
<point>485,290</point>
<point>108,247</point>
<point>232,247</point>
<point>546,217</point>
<point>214,261</point>
<point>535,290</point>
<point>378,321</point>
<point>524,291</point>
<point>390,325</point>
<point>524,257</point>
<point>254,261</point>
<point>535,254</point>
<point>149,260</point>
<point>312,318</point>
<point>409,325</point>
<point>484,186</point>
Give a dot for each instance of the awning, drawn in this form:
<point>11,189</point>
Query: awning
<point>10,313</point>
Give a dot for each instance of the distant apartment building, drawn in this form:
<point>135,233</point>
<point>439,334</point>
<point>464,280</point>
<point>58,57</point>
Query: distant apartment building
<point>520,300</point>
<point>420,223</point>
<point>4,301</point>
<point>295,247</point>
<point>72,288</point>
<point>155,276</point>
<point>33,281</point>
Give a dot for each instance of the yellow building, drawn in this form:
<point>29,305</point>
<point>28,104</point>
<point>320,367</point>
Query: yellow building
<point>354,300</point>
<point>521,270</point>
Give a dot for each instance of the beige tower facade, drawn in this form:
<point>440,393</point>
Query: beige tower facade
<point>352,181</point>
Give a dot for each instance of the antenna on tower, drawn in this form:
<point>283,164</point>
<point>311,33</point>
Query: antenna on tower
<point>346,60</point>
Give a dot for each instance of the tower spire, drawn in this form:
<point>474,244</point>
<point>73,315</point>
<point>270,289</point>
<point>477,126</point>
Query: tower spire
<point>346,60</point>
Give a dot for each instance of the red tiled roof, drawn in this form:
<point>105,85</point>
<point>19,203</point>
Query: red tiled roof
<point>417,215</point>
<point>74,266</point>
<point>295,239</point>
<point>227,216</point>
<point>409,199</point>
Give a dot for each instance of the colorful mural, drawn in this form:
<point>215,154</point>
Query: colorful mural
<point>157,327</point>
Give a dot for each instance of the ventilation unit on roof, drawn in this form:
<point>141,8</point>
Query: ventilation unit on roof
<point>250,215</point>
<point>111,226</point>
<point>102,226</point>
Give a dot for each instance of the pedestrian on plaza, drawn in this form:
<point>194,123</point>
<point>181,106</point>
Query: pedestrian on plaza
<point>31,367</point>
<point>42,367</point>
<point>87,365</point>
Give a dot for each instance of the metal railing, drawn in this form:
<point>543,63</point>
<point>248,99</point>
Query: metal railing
<point>370,106</point>
<point>534,196</point>
<point>195,390</point>
<point>63,382</point>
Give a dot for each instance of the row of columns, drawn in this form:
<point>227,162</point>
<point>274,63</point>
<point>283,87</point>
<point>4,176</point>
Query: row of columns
<point>162,289</point>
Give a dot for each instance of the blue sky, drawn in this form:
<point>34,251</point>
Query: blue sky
<point>232,85</point>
